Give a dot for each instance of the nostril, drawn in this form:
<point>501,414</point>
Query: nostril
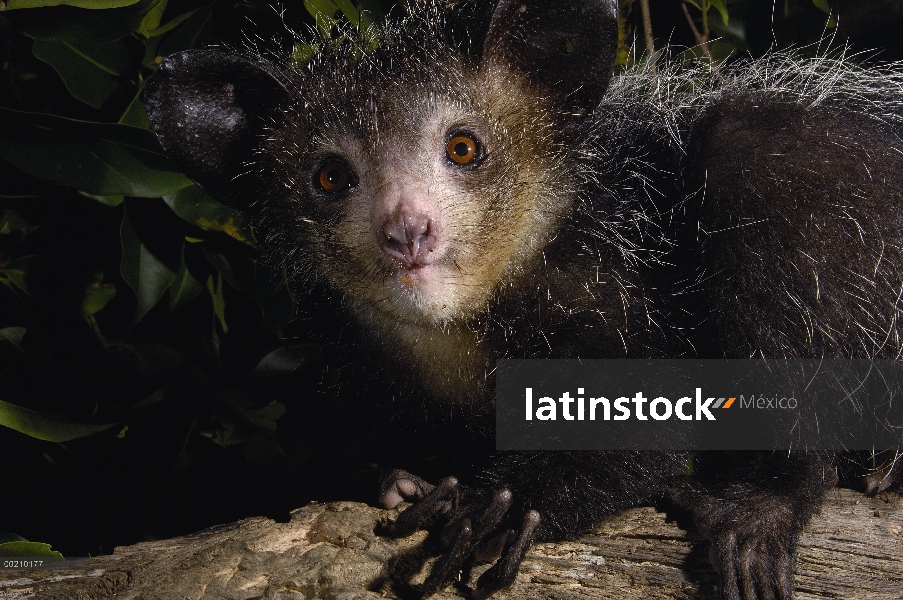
<point>407,239</point>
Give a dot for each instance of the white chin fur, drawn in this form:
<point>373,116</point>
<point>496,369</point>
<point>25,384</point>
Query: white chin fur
<point>428,293</point>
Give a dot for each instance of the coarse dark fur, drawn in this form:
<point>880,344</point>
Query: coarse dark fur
<point>748,212</point>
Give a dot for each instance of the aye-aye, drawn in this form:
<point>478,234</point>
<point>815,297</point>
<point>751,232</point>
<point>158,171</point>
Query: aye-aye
<point>466,193</point>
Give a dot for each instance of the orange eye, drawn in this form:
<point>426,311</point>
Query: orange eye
<point>462,149</point>
<point>334,176</point>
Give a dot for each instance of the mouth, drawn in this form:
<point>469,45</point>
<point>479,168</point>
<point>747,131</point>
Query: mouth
<point>424,281</point>
<point>410,276</point>
<point>423,292</point>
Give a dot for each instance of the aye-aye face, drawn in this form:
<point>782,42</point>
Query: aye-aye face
<point>415,189</point>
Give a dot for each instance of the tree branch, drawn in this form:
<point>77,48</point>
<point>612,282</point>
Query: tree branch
<point>702,39</point>
<point>647,31</point>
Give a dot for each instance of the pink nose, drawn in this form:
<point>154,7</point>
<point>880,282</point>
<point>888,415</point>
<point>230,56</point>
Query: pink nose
<point>407,239</point>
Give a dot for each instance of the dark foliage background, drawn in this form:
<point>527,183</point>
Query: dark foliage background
<point>152,378</point>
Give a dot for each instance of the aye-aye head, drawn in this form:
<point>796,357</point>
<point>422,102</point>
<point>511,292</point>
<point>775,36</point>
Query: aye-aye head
<point>415,178</point>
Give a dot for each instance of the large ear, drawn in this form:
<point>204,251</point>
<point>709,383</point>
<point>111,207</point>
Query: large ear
<point>566,48</point>
<point>206,108</point>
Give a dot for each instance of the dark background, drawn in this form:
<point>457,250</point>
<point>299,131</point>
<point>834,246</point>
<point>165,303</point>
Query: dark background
<point>150,311</point>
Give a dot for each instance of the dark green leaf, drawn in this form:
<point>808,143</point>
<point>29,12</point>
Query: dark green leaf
<point>225,433</point>
<point>151,400</point>
<point>92,72</point>
<point>263,418</point>
<point>219,303</point>
<point>11,220</point>
<point>102,159</point>
<point>97,167</point>
<point>302,53</point>
<point>169,26</point>
<point>145,273</point>
<point>199,30</point>
<point>29,550</point>
<point>90,4</point>
<point>822,5</point>
<point>221,264</point>
<point>13,335</point>
<point>16,273</point>
<point>371,11</point>
<point>6,536</point>
<point>150,51</point>
<point>21,126</point>
<point>108,200</point>
<point>263,449</point>
<point>97,296</point>
<point>350,11</point>
<point>45,427</point>
<point>136,114</point>
<point>324,11</point>
<point>694,3</point>
<point>152,19</point>
<point>721,8</point>
<point>184,288</point>
<point>71,24</point>
<point>196,207</point>
<point>321,8</point>
<point>287,360</point>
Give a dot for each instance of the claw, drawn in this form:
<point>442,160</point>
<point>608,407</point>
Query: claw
<point>489,519</point>
<point>495,511</point>
<point>490,549</point>
<point>884,477</point>
<point>462,535</point>
<point>502,573</point>
<point>450,563</point>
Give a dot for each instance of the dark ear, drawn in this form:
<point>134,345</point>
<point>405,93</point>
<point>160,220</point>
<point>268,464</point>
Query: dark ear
<point>566,48</point>
<point>207,108</point>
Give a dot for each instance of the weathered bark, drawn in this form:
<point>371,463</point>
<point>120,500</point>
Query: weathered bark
<point>852,550</point>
